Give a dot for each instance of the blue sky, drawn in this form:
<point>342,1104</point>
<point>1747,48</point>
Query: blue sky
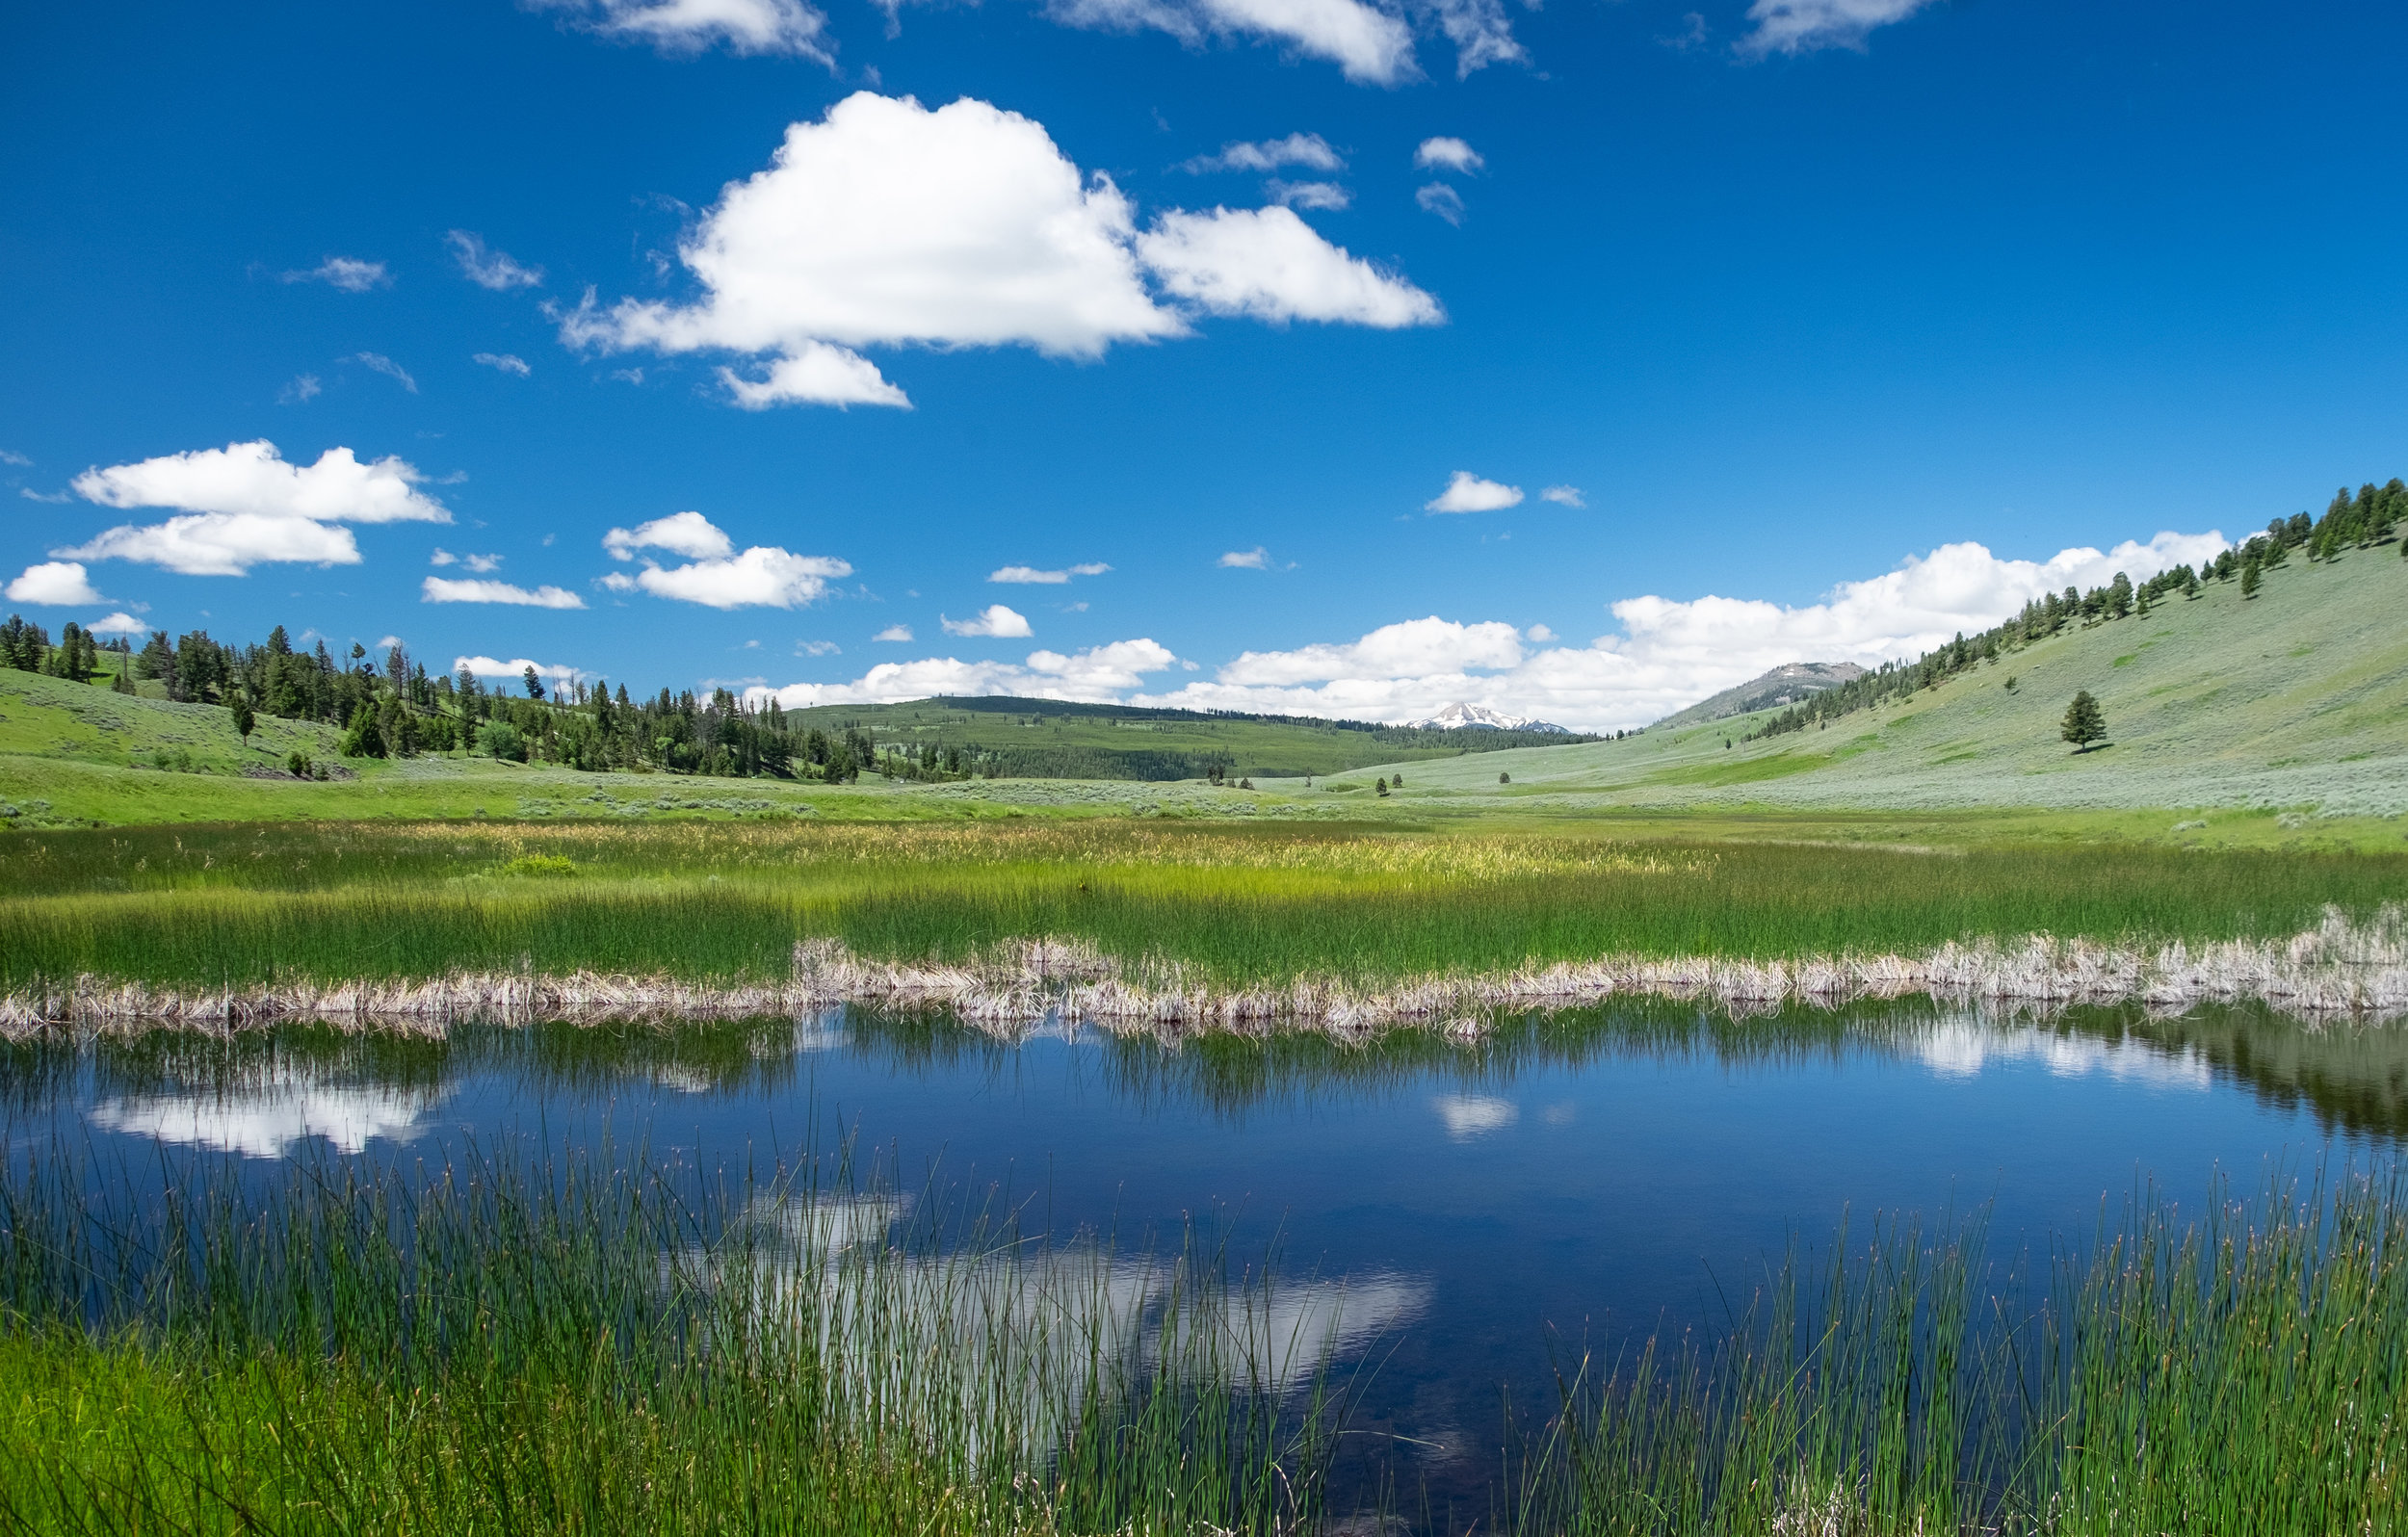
<point>1834,324</point>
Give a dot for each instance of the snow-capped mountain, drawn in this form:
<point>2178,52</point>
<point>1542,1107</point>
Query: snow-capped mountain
<point>1464,717</point>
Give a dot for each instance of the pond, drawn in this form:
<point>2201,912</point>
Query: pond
<point>1465,1220</point>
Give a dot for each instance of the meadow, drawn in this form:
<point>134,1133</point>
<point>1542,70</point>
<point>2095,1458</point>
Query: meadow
<point>245,905</point>
<point>604,1344</point>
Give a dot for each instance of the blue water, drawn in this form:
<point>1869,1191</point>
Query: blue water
<point>1492,1209</point>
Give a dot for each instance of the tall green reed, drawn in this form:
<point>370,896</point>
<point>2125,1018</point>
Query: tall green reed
<point>595,1346</point>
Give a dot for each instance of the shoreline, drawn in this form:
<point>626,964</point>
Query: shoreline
<point>2338,971</point>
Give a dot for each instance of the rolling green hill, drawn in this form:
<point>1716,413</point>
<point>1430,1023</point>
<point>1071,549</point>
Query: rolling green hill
<point>2296,699</point>
<point>1048,739</point>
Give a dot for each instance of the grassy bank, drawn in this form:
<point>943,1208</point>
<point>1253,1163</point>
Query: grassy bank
<point>588,1348</point>
<point>252,905</point>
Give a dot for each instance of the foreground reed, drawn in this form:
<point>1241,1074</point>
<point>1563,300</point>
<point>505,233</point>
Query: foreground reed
<point>593,1347</point>
<point>585,1348</point>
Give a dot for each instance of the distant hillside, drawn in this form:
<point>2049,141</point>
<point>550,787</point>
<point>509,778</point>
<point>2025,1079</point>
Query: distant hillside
<point>1050,739</point>
<point>2293,699</point>
<point>1784,685</point>
<point>1462,715</point>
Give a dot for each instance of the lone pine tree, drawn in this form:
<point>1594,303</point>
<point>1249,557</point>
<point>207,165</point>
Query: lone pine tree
<point>2084,721</point>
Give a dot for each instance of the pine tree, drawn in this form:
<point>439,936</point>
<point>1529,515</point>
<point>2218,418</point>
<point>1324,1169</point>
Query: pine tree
<point>2249,580</point>
<point>244,721</point>
<point>2084,721</point>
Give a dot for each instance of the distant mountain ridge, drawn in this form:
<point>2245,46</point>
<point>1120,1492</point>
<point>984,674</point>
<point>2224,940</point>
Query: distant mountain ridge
<point>1463,716</point>
<point>1784,685</point>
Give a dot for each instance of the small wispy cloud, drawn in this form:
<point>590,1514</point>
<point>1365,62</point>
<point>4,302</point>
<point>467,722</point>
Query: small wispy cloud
<point>490,269</point>
<point>1563,496</point>
<point>304,387</point>
<point>506,362</point>
<point>378,362</point>
<point>441,590</point>
<point>894,632</point>
<point>1257,558</point>
<point>1318,194</point>
<point>347,273</point>
<point>1441,200</point>
<point>1309,151</point>
<point>1033,575</point>
<point>12,457</point>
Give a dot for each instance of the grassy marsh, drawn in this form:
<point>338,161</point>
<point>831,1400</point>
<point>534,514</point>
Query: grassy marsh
<point>243,905</point>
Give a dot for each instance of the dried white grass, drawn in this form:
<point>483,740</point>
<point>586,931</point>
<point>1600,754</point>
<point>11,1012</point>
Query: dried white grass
<point>2337,969</point>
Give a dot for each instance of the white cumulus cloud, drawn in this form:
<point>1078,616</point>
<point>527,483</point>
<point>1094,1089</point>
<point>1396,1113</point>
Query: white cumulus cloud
<point>993,620</point>
<point>792,27</point>
<point>347,273</point>
<point>118,623</point>
<point>245,506</point>
<point>888,225</point>
<point>1093,675</point>
<point>445,589</point>
<point>1257,558</point>
<point>687,533</point>
<point>761,577</point>
<point>1270,264</point>
<point>1803,26</point>
<point>517,667</point>
<point>56,582</point>
<point>1443,153</point>
<point>894,632</point>
<point>490,269</point>
<point>1469,493</point>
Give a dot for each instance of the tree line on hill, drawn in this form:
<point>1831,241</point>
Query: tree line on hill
<point>394,708</point>
<point>2369,518</point>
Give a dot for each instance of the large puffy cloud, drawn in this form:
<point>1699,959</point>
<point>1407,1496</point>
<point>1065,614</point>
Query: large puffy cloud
<point>245,506</point>
<point>761,577</point>
<point>1097,674</point>
<point>54,583</point>
<point>1270,264</point>
<point>1801,26</point>
<point>886,224</point>
<point>792,27</point>
<point>1669,654</point>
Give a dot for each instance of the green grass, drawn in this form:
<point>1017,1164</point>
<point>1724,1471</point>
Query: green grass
<point>235,906</point>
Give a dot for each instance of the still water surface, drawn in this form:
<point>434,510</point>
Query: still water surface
<point>1480,1215</point>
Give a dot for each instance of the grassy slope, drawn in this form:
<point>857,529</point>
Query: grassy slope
<point>1257,748</point>
<point>2296,699</point>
